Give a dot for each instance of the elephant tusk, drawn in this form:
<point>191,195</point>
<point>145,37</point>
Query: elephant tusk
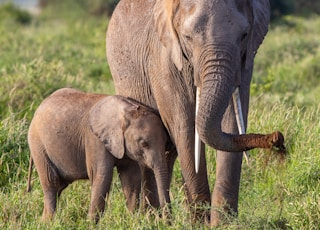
<point>197,146</point>
<point>239,117</point>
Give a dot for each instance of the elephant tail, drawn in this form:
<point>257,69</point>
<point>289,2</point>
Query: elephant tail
<point>29,174</point>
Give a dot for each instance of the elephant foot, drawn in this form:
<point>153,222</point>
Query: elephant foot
<point>222,214</point>
<point>165,213</point>
<point>47,216</point>
<point>200,209</point>
<point>224,202</point>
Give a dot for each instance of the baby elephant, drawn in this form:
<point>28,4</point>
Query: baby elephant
<point>76,135</point>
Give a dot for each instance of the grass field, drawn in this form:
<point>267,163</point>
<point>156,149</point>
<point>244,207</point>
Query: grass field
<point>40,54</point>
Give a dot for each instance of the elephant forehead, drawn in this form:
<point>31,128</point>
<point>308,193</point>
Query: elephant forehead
<point>190,12</point>
<point>147,122</point>
<point>147,127</point>
<point>207,15</point>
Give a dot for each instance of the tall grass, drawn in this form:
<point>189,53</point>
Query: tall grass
<point>51,52</point>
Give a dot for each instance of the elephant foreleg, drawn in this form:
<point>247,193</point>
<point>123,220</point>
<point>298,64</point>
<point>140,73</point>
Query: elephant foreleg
<point>228,168</point>
<point>178,115</point>
<point>226,190</point>
<point>196,184</point>
<point>130,178</point>
<point>171,157</point>
<point>99,195</point>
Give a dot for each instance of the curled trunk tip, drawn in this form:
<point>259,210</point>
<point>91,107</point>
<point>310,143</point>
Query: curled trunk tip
<point>277,142</point>
<point>274,140</point>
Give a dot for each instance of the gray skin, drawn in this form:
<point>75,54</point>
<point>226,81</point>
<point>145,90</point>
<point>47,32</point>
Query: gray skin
<point>160,51</point>
<point>75,135</point>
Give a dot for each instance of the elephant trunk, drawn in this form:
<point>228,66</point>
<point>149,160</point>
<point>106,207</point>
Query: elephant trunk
<point>217,75</point>
<point>162,180</point>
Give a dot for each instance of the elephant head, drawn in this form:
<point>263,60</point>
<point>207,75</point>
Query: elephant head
<point>219,39</point>
<point>125,126</point>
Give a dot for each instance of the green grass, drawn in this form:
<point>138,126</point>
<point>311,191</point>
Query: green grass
<point>43,53</point>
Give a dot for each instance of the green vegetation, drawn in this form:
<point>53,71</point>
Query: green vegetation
<point>40,54</point>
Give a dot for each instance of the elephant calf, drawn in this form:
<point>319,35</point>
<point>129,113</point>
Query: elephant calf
<point>75,135</point>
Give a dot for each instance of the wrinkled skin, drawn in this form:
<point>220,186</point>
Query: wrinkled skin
<point>76,135</point>
<point>160,51</point>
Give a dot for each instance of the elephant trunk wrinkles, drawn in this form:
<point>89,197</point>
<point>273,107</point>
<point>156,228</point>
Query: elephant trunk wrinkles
<point>162,180</point>
<point>217,76</point>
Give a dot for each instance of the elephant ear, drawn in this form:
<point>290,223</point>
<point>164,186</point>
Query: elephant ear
<point>163,17</point>
<point>106,120</point>
<point>260,22</point>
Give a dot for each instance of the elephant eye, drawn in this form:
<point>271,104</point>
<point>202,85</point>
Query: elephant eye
<point>188,38</point>
<point>244,36</point>
<point>144,144</point>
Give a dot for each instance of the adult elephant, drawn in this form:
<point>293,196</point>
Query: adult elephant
<point>159,51</point>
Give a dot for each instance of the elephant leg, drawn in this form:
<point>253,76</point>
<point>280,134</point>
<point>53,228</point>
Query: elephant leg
<point>50,202</point>
<point>51,194</point>
<point>196,184</point>
<point>99,194</point>
<point>228,168</point>
<point>178,116</point>
<point>49,180</point>
<point>171,157</point>
<point>130,177</point>
<point>226,189</point>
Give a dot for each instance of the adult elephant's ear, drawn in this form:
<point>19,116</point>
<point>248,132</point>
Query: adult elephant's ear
<point>163,17</point>
<point>106,121</point>
<point>260,10</point>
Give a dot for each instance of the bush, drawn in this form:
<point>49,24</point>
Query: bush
<point>96,7</point>
<point>305,7</point>
<point>281,8</point>
<point>10,11</point>
<point>103,6</point>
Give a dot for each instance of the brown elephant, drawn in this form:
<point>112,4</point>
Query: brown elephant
<point>75,135</point>
<point>160,52</point>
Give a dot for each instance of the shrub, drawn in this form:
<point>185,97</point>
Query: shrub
<point>10,11</point>
<point>97,7</point>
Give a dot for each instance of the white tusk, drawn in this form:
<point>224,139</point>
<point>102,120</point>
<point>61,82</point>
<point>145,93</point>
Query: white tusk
<point>239,116</point>
<point>197,145</point>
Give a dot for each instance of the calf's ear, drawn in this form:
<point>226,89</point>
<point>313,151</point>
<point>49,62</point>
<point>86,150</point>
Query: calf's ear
<point>106,121</point>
